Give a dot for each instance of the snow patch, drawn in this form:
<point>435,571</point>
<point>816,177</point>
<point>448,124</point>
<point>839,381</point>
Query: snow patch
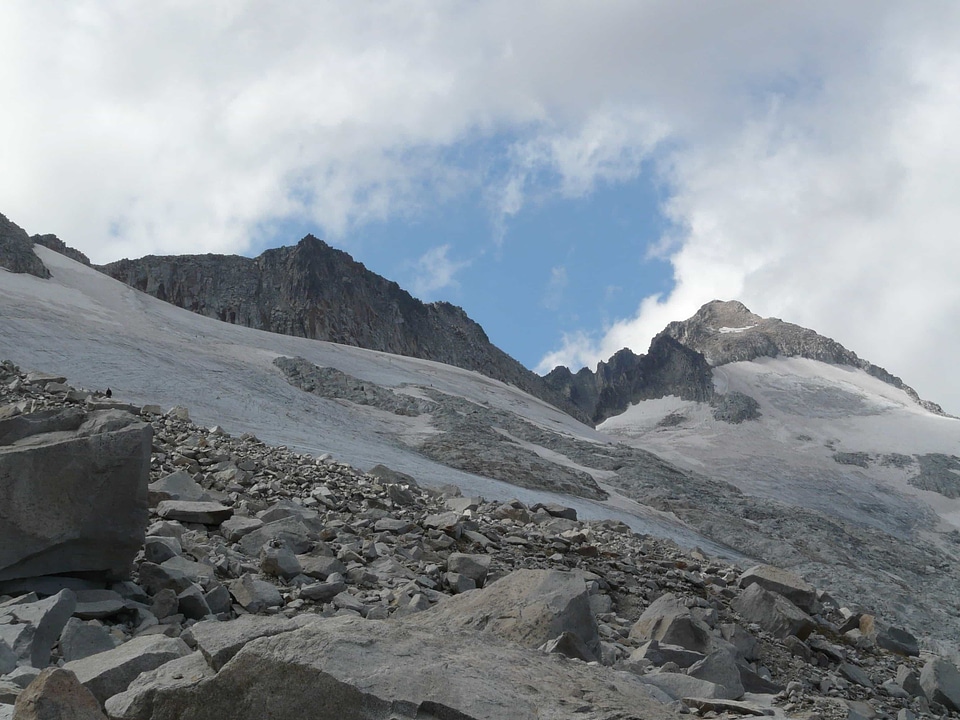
<point>725,330</point>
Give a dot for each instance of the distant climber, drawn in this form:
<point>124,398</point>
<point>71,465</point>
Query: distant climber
<point>108,393</point>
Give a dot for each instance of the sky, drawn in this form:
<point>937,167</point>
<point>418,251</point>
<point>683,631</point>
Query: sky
<point>575,175</point>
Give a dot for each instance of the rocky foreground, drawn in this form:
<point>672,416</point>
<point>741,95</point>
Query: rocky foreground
<point>150,568</point>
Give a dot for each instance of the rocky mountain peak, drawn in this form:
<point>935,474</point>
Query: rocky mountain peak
<point>726,331</point>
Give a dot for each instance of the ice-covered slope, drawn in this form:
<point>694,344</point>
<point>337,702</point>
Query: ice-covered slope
<point>829,437</point>
<point>101,333</point>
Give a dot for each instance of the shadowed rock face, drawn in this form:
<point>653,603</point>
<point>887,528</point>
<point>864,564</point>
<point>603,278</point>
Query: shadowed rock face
<point>16,251</point>
<point>312,290</point>
<point>668,368</point>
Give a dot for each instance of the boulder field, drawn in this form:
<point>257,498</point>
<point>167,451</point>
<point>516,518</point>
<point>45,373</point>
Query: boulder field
<point>153,569</point>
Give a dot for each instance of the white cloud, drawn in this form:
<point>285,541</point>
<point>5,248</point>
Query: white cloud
<point>556,286</point>
<point>834,209</point>
<point>435,271</point>
<point>807,151</point>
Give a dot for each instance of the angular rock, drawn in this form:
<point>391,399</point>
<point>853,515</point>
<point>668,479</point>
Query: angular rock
<point>909,680</point>
<point>176,486</point>
<point>8,658</point>
<point>940,681</point>
<point>291,532</point>
<point>794,588</point>
<point>139,697</point>
<point>192,604</point>
<point>158,549</point>
<point>898,640</point>
<point>220,641</point>
<point>37,626</point>
<point>238,526</point>
<point>321,566</point>
<point>75,503</point>
<point>81,639</point>
<point>720,667</point>
<point>108,673</point>
<point>255,595</point>
<point>279,562</point>
<point>474,567</point>
<point>204,513</point>
<point>57,694</point>
<point>669,621</point>
<point>679,686</point>
<point>773,612</point>
<point>323,591</point>
<point>657,653</point>
<point>529,607</point>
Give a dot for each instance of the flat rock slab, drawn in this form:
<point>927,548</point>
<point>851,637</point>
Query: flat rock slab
<point>794,588</point>
<point>97,604</point>
<point>108,673</point>
<point>352,669</point>
<point>204,513</point>
<point>220,641</point>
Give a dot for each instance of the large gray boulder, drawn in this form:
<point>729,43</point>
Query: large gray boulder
<point>940,681</point>
<point>794,588</point>
<point>773,612</point>
<point>75,501</point>
<point>353,669</point>
<point>528,607</point>
<point>669,621</point>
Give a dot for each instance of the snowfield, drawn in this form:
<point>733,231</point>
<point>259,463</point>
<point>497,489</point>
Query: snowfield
<point>811,414</point>
<point>100,333</point>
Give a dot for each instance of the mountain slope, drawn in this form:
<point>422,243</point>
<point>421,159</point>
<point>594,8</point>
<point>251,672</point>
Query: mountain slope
<point>312,290</point>
<point>762,488</point>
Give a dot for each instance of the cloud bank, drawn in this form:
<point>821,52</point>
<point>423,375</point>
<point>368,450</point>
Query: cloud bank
<point>806,151</point>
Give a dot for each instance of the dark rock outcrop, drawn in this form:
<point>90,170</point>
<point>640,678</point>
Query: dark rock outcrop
<point>312,290</point>
<point>16,251</point>
<point>58,245</point>
<point>668,368</point>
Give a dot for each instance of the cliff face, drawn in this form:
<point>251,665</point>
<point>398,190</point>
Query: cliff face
<point>312,290</point>
<point>16,251</point>
<point>668,368</point>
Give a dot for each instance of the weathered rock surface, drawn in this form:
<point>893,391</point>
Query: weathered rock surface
<point>773,612</point>
<point>793,588</point>
<point>353,669</point>
<point>75,501</point>
<point>109,673</point>
<point>57,694</point>
<point>528,607</point>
